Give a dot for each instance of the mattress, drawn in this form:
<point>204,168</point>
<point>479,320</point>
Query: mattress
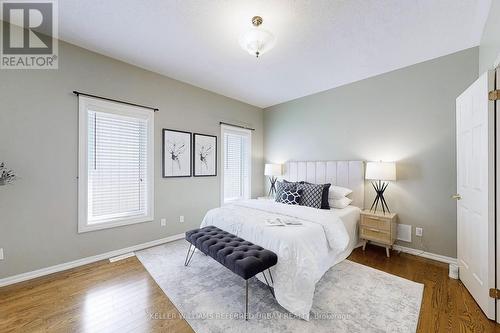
<point>350,216</point>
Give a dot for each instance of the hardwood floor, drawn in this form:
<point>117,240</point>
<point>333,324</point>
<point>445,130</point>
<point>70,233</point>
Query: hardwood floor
<point>447,306</point>
<point>100,297</point>
<point>122,297</point>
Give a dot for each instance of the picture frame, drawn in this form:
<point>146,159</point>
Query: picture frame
<point>204,155</point>
<point>176,153</point>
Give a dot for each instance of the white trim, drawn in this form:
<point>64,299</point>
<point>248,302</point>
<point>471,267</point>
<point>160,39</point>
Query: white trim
<point>121,257</point>
<point>84,261</point>
<point>428,255</point>
<point>84,104</point>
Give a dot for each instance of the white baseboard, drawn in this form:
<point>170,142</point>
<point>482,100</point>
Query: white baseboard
<point>84,261</point>
<point>122,257</point>
<point>428,255</point>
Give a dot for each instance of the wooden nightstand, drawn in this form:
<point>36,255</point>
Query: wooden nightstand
<point>379,228</point>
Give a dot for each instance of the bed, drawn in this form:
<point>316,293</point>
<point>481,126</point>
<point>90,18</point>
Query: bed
<point>305,252</point>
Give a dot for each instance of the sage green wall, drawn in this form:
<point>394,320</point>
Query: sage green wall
<point>489,50</point>
<point>407,116</point>
<point>38,139</point>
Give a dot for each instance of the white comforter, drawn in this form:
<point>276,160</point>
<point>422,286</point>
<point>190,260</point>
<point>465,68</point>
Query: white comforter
<point>304,252</point>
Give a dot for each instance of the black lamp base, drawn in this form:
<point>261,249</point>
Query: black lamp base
<point>379,188</point>
<point>272,189</point>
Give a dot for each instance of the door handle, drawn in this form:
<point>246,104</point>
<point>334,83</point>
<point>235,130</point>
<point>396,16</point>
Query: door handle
<point>456,197</point>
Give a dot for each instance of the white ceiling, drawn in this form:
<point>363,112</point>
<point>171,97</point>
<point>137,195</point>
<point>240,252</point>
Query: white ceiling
<point>321,44</point>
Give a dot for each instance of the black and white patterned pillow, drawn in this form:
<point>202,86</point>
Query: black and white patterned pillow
<point>283,186</point>
<point>290,197</point>
<point>311,195</point>
<point>324,196</point>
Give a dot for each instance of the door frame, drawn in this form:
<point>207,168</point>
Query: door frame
<point>495,105</point>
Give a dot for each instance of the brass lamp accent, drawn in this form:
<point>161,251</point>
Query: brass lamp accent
<point>257,20</point>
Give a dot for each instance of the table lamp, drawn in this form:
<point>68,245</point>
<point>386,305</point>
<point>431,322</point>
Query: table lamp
<point>380,173</point>
<point>272,170</point>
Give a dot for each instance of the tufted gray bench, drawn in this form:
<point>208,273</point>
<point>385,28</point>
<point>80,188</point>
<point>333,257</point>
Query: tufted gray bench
<point>238,255</point>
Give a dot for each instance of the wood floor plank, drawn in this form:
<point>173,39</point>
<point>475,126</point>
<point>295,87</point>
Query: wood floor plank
<point>123,297</point>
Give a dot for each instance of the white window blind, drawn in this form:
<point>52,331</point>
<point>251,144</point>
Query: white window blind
<point>116,187</point>
<point>236,163</point>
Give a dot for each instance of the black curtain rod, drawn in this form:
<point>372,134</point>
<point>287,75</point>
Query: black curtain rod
<point>247,128</point>
<point>78,93</point>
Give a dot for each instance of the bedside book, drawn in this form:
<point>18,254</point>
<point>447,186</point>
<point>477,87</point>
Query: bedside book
<point>279,222</point>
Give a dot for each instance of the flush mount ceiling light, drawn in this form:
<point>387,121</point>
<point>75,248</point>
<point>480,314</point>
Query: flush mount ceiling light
<point>257,41</point>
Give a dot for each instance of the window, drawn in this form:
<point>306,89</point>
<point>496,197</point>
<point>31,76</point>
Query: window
<point>237,161</point>
<point>116,164</point>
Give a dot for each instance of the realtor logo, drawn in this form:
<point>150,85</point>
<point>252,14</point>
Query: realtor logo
<point>29,34</point>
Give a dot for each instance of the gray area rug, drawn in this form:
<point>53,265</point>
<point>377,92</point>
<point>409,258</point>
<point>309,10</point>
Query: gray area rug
<point>349,298</point>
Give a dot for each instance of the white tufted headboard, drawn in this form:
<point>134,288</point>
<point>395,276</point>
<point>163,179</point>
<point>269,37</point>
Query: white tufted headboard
<point>350,174</point>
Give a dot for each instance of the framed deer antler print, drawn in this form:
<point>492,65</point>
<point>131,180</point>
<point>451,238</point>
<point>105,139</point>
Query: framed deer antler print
<point>176,153</point>
<point>204,155</point>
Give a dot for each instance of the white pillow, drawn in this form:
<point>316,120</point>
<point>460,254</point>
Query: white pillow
<point>338,192</point>
<point>339,203</point>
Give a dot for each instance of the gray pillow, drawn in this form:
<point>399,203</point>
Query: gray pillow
<point>312,195</point>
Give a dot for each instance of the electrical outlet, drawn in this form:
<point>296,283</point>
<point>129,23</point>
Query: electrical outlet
<point>419,232</point>
<point>181,219</point>
<point>1,254</point>
<point>163,222</point>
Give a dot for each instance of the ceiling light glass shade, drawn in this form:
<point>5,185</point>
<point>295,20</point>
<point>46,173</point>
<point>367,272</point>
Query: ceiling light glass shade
<point>257,41</point>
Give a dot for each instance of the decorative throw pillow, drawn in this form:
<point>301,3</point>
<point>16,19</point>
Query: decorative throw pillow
<point>281,187</point>
<point>311,195</point>
<point>291,183</point>
<point>290,197</point>
<point>324,195</point>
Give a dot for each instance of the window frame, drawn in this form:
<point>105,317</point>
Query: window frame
<point>99,105</point>
<point>239,131</point>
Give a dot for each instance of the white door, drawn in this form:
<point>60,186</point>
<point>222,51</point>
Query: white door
<point>475,185</point>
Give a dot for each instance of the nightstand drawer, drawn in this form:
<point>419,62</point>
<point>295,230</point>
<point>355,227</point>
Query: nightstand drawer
<point>376,222</point>
<point>375,234</point>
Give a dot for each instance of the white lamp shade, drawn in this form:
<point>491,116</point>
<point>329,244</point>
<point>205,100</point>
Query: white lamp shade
<point>380,171</point>
<point>272,169</point>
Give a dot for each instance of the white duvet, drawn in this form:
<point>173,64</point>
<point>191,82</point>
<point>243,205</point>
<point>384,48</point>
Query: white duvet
<point>305,252</point>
